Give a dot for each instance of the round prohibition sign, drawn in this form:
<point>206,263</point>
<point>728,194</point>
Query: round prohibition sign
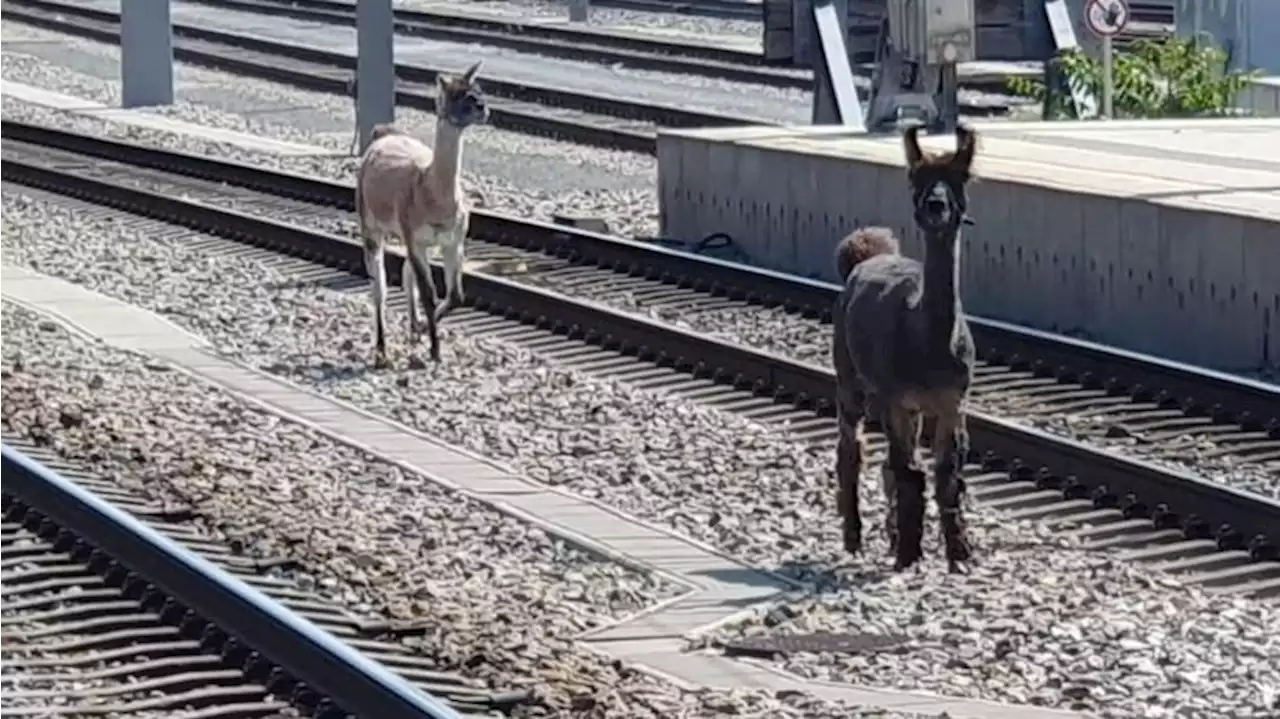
<point>1106,18</point>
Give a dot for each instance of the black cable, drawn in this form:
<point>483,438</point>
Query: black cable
<point>716,244</point>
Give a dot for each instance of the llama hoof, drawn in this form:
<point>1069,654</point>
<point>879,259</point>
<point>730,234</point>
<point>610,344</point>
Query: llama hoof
<point>906,557</point>
<point>905,563</point>
<point>957,567</point>
<point>852,540</point>
<point>381,361</point>
<point>959,551</point>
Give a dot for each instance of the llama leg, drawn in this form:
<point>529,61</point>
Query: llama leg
<point>848,469</point>
<point>427,291</point>
<point>951,444</point>
<point>452,256</point>
<point>377,270</point>
<point>409,283</point>
<point>900,427</point>
<point>889,485</point>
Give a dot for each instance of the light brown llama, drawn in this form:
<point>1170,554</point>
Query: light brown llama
<point>405,190</point>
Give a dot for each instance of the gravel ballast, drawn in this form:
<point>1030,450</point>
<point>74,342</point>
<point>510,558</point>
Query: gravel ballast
<point>1095,635</point>
<point>649,455</point>
<point>350,514</point>
<point>505,599</point>
<point>713,476</point>
<point>690,28</point>
<point>524,175</point>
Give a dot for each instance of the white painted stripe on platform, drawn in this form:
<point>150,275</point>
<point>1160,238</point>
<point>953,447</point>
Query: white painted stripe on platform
<point>48,98</point>
<point>93,314</point>
<point>80,106</point>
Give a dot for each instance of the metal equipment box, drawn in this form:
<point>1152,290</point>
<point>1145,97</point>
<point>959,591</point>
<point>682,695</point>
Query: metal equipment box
<point>935,31</point>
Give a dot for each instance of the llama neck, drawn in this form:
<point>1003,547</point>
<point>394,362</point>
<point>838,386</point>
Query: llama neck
<point>447,154</point>
<point>941,295</point>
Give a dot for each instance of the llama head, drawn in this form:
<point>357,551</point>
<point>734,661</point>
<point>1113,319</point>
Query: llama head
<point>939,181</point>
<point>459,100</point>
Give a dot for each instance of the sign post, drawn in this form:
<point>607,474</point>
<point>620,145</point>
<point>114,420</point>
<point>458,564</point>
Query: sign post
<point>1105,19</point>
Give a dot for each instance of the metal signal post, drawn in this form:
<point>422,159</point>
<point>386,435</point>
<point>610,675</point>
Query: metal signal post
<point>1106,18</point>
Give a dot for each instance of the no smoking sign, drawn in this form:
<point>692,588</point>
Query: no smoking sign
<point>1106,18</point>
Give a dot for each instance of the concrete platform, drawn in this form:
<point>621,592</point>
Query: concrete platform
<point>80,106</point>
<point>718,586</point>
<point>1158,236</point>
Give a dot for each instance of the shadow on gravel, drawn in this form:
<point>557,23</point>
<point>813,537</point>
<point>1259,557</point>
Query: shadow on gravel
<point>825,577</point>
<point>337,282</point>
<point>322,371</point>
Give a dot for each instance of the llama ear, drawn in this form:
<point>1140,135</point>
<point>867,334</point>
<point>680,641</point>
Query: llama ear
<point>470,75</point>
<point>443,81</point>
<point>966,146</point>
<point>911,144</point>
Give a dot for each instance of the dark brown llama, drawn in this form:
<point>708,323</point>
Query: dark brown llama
<point>902,350</point>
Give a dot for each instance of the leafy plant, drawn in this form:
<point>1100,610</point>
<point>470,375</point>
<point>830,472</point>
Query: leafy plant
<point>1171,77</point>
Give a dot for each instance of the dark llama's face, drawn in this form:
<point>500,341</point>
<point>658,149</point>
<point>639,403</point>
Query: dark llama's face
<point>459,99</point>
<point>939,196</point>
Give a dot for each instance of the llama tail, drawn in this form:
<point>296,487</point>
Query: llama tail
<point>863,244</point>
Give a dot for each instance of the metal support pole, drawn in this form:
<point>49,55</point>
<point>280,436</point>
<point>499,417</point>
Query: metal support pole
<point>835,95</point>
<point>579,10</point>
<point>375,67</point>
<point>1108,79</point>
<point>947,103</point>
<point>146,53</point>
<point>1062,29</point>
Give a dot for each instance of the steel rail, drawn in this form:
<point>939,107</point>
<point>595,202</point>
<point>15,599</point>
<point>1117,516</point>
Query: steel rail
<point>590,46</point>
<point>592,34</point>
<point>725,9</point>
<point>1199,509</point>
<point>529,118</point>
<point>594,44</point>
<point>1228,398</point>
<point>604,121</point>
<point>519,91</point>
<point>355,683</point>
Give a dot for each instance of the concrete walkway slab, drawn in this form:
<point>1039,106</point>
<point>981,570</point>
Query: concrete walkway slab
<point>89,108</point>
<point>719,586</point>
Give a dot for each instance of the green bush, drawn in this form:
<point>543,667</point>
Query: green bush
<point>1172,77</point>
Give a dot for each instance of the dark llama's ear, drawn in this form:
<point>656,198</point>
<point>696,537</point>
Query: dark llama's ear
<point>470,75</point>
<point>966,147</point>
<point>911,144</point>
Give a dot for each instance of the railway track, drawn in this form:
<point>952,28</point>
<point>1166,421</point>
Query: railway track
<point>1153,19</point>
<point>1225,536</point>
<point>587,43</point>
<point>580,117</point>
<point>728,9</point>
<point>115,604</point>
<point>591,44</point>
